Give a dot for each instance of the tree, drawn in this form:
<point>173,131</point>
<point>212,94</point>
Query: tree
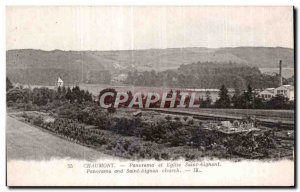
<point>9,85</point>
<point>69,95</point>
<point>234,100</point>
<point>76,94</point>
<point>258,103</point>
<point>88,96</point>
<point>42,96</point>
<point>64,91</point>
<point>278,102</point>
<point>224,99</point>
<point>249,97</point>
<point>14,95</point>
<point>59,90</point>
<point>240,101</point>
<point>249,93</point>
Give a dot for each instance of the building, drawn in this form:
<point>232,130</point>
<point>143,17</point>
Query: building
<point>60,82</point>
<point>285,90</point>
<point>267,94</point>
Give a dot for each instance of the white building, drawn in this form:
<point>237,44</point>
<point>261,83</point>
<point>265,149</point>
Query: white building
<point>60,82</point>
<point>285,90</point>
<point>267,94</point>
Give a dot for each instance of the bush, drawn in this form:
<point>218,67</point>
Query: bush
<point>191,122</point>
<point>173,133</point>
<point>38,120</point>
<point>168,118</point>
<point>127,126</point>
<point>111,109</point>
<point>177,118</point>
<point>179,136</point>
<point>165,156</point>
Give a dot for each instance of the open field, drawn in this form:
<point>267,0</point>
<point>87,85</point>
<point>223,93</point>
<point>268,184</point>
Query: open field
<point>27,142</point>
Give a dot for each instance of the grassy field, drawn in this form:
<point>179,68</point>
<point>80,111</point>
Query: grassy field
<point>30,143</point>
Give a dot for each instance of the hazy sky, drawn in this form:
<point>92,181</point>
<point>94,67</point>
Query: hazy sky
<point>115,28</point>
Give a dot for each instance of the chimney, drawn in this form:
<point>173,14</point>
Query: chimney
<point>280,72</point>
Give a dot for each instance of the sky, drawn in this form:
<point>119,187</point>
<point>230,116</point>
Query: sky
<point>128,28</point>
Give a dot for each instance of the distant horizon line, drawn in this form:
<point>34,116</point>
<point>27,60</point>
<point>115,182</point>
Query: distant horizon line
<point>149,48</point>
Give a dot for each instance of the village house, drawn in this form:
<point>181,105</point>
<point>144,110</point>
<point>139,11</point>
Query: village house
<point>267,94</point>
<point>285,90</point>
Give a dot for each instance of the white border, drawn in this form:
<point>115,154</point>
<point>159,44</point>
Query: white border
<point>4,3</point>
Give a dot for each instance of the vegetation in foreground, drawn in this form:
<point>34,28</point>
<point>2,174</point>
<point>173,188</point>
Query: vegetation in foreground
<point>75,116</point>
<point>169,138</point>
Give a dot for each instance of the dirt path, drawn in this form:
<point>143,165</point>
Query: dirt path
<point>30,143</point>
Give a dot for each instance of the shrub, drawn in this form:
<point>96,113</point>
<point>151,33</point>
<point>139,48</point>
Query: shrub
<point>177,118</point>
<point>111,109</point>
<point>165,156</point>
<point>168,118</point>
<point>189,156</point>
<point>191,122</point>
<point>127,126</point>
<point>148,150</point>
<point>179,136</point>
<point>10,103</point>
<point>38,120</point>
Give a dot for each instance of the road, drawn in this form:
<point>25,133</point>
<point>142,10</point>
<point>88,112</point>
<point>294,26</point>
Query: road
<point>25,142</point>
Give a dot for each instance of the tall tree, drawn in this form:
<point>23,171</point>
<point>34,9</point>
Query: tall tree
<point>69,95</point>
<point>249,94</point>
<point>224,99</point>
<point>249,97</point>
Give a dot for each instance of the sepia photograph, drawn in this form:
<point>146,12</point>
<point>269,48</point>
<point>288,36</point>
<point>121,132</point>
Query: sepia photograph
<point>150,96</point>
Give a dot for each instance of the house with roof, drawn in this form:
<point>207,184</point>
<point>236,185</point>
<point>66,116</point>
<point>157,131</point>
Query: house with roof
<point>285,90</point>
<point>267,94</point>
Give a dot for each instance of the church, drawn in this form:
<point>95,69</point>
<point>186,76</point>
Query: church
<point>60,82</point>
